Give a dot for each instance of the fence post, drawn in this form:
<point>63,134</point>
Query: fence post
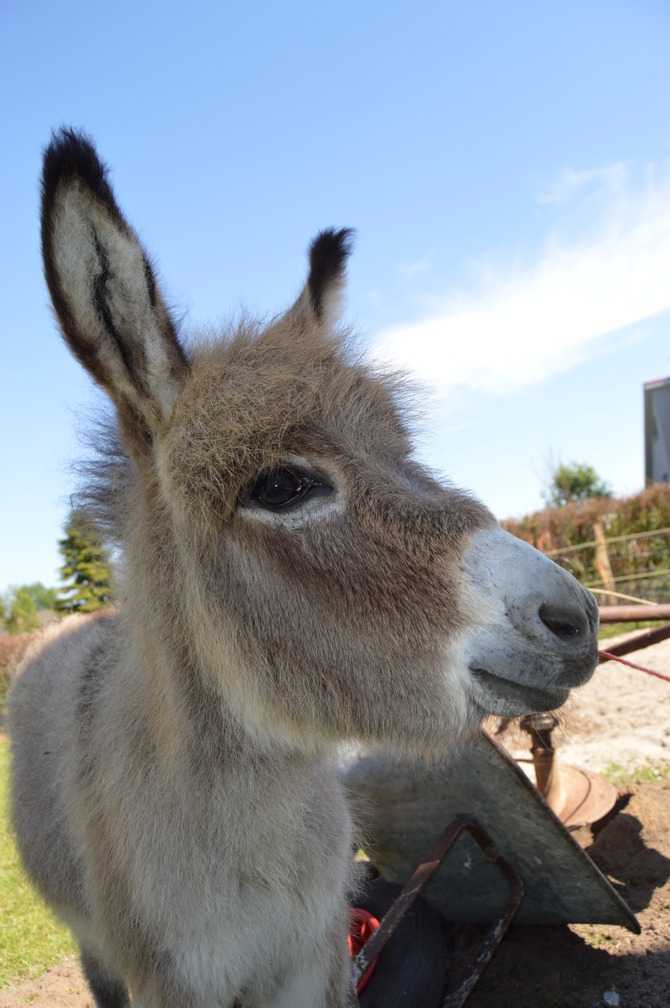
<point>602,563</point>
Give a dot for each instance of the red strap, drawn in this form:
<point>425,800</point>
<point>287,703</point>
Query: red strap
<point>622,661</point>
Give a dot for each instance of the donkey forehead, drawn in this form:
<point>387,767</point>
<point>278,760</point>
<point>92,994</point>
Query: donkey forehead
<point>250,406</point>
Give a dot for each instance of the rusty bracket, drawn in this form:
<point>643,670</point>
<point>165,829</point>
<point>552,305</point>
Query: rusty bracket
<point>423,873</point>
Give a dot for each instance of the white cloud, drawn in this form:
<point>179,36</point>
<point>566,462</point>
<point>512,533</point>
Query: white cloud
<point>412,269</point>
<point>572,182</point>
<point>523,324</point>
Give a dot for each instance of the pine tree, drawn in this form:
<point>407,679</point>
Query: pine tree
<point>86,570</point>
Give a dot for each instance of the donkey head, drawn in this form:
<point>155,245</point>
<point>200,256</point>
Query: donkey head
<point>323,583</point>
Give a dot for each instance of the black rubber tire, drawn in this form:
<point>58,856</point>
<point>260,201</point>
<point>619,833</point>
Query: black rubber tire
<point>411,970</point>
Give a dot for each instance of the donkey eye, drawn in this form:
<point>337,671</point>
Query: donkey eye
<point>283,487</point>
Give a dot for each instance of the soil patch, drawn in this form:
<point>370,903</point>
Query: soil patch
<point>580,966</point>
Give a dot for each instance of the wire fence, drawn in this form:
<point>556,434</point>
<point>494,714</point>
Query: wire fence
<point>632,567</point>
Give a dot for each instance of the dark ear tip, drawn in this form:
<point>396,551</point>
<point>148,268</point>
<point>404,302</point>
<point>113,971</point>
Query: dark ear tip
<point>71,155</point>
<point>328,254</point>
<point>332,246</point>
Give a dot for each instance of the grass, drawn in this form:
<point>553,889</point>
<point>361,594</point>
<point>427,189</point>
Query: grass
<point>31,938</point>
<point>647,772</point>
<point>608,630</point>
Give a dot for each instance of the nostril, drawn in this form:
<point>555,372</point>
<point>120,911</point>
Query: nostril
<point>566,626</point>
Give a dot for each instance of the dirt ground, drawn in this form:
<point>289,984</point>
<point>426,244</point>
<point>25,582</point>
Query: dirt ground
<point>621,721</point>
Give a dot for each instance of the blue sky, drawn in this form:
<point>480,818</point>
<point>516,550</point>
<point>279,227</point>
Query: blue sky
<point>506,166</point>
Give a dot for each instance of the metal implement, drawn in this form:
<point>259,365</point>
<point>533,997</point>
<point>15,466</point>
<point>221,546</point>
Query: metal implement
<point>405,800</point>
<point>420,877</point>
<point>577,796</point>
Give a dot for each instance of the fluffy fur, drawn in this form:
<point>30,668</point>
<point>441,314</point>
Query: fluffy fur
<point>174,796</point>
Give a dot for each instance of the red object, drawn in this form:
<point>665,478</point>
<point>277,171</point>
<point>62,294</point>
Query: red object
<point>606,656</point>
<point>361,926</point>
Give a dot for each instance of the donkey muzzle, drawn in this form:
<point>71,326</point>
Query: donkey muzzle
<point>534,627</point>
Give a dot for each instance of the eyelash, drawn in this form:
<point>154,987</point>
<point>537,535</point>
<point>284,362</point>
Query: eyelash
<point>288,487</point>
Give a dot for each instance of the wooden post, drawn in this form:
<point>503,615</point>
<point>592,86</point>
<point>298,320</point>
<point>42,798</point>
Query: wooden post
<point>602,563</point>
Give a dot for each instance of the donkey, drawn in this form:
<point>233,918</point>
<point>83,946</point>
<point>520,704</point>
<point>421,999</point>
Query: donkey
<point>292,579</point>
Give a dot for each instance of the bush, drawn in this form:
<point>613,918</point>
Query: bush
<point>641,558</point>
<point>12,650</point>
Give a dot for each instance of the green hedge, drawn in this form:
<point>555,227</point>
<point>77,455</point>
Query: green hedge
<point>639,565</point>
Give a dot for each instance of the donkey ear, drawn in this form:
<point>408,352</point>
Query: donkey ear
<point>328,256</point>
<point>104,293</point>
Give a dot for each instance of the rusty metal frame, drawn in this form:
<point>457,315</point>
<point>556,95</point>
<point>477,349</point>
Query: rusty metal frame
<point>420,877</point>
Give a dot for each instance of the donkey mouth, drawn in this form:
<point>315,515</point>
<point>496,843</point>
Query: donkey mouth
<point>510,699</point>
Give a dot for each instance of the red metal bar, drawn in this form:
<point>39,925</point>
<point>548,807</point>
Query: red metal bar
<point>633,613</point>
<point>643,639</point>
